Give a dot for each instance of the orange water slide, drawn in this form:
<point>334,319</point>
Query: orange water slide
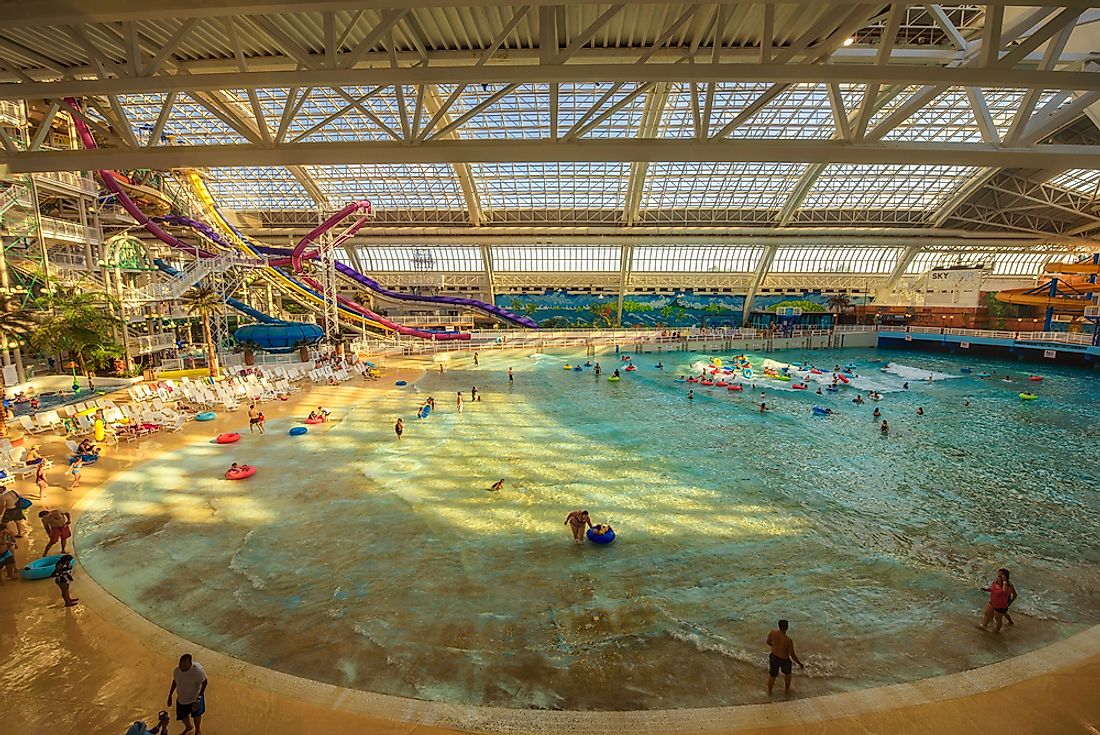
<point>1071,298</point>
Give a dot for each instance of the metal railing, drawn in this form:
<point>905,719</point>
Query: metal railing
<point>68,180</point>
<point>152,343</point>
<point>59,229</point>
<point>1063,337</point>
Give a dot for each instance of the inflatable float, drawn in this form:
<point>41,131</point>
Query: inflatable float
<point>602,539</point>
<point>693,380</point>
<point>735,387</point>
<point>679,380</point>
<point>577,368</point>
<point>747,373</point>
<point>706,382</point>
<point>42,568</point>
<point>566,367</point>
<point>298,431</point>
<point>1029,396</point>
<point>842,379</point>
<point>206,416</point>
<point>245,470</point>
<point>1035,378</point>
<point>612,379</point>
<point>982,375</point>
<point>401,383</point>
<point>631,369</point>
<point>421,414</point>
<point>819,411</point>
<point>313,421</point>
<point>228,438</point>
<point>799,386</point>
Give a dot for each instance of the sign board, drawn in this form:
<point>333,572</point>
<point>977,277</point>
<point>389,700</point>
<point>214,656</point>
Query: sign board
<point>964,345</point>
<point>1050,354</point>
<point>908,338</point>
<point>951,287</point>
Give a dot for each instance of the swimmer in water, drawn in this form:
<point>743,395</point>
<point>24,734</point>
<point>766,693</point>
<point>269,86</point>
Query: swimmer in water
<point>499,484</point>
<point>598,369</point>
<point>920,410</point>
<point>877,413</point>
<point>885,428</point>
<point>660,366</point>
<point>616,373</point>
<point>691,395</point>
<point>819,391</point>
<point>905,386</point>
<point>577,520</point>
<point>966,403</point>
<point>763,407</point>
<point>399,428</point>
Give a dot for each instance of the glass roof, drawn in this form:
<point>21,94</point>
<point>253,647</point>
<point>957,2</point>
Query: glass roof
<point>950,117</point>
<point>835,260</point>
<point>408,186</point>
<point>720,185</point>
<point>189,123</point>
<point>377,259</point>
<point>257,188</point>
<point>886,186</point>
<point>1081,180</point>
<point>551,259</point>
<point>1014,263</point>
<point>696,259</point>
<point>562,186</point>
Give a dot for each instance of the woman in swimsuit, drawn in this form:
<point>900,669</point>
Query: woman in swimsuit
<point>1001,596</point>
<point>577,520</point>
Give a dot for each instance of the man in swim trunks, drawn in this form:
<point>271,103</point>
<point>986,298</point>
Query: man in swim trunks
<point>780,657</point>
<point>254,419</point>
<point>510,377</point>
<point>399,429</point>
<point>576,521</point>
<point>189,685</point>
<point>56,523</point>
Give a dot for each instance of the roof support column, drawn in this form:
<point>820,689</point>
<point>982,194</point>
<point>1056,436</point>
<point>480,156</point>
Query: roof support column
<point>649,127</point>
<point>906,259</point>
<point>487,266</point>
<point>762,269</point>
<point>463,171</point>
<point>626,257</point>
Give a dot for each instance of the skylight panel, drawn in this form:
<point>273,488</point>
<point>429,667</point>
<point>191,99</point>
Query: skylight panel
<point>719,185</point>
<point>696,259</point>
<point>835,260</point>
<point>551,259</point>
<point>422,259</point>
<point>257,188</point>
<point>1081,180</point>
<point>391,186</point>
<point>189,122</point>
<point>523,113</point>
<point>886,186</point>
<point>564,186</point>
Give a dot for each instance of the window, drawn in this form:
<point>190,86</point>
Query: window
<point>552,259</point>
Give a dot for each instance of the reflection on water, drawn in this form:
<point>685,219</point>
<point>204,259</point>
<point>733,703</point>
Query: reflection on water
<point>358,560</point>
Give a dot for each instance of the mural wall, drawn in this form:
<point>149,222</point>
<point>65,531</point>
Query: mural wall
<point>557,308</point>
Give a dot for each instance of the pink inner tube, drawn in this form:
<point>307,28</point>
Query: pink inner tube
<point>228,438</point>
<point>314,421</point>
<point>1035,378</point>
<point>245,470</point>
<point>734,387</point>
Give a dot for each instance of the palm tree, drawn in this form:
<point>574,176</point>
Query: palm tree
<point>203,301</point>
<point>17,323</point>
<point>82,323</point>
<point>838,302</point>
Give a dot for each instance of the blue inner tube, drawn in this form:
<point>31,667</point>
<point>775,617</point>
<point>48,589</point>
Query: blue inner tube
<point>964,370</point>
<point>601,538</point>
<point>982,375</point>
<point>819,411</point>
<point>577,369</point>
<point>401,383</point>
<point>206,416</point>
<point>298,431</point>
<point>42,568</point>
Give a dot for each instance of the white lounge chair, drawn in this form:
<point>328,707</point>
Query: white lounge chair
<point>30,426</point>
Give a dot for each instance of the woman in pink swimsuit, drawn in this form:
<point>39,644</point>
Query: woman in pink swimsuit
<point>1001,595</point>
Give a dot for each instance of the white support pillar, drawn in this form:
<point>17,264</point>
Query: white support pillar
<point>762,269</point>
<point>906,259</point>
<point>487,266</point>
<point>626,257</point>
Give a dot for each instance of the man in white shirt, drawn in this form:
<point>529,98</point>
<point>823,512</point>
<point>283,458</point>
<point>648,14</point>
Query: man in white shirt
<point>189,686</point>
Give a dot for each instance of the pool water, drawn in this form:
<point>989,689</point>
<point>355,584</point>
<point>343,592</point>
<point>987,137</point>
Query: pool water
<point>390,566</point>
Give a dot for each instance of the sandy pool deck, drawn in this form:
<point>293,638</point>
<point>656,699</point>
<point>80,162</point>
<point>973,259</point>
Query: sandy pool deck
<point>95,668</point>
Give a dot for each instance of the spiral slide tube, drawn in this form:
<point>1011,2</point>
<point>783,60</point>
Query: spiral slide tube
<point>134,211</point>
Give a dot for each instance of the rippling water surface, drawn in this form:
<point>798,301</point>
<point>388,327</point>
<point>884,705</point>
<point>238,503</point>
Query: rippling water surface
<point>391,567</point>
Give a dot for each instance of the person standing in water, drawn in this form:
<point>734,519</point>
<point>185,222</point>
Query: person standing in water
<point>597,369</point>
<point>691,395</point>
<point>458,401</point>
<point>780,657</point>
<point>1001,596</point>
<point>576,521</point>
<point>511,378</point>
<point>476,362</point>
<point>440,368</point>
<point>473,393</point>
<point>254,419</point>
<point>399,428</point>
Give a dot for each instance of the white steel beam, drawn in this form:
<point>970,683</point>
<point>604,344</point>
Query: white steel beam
<point>626,256</point>
<point>523,151</point>
<point>52,12</point>
<point>907,257</point>
<point>652,114</point>
<point>762,269</point>
<point>998,76</point>
<point>463,171</point>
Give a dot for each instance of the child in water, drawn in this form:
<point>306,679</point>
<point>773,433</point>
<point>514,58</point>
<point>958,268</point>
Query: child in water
<point>499,484</point>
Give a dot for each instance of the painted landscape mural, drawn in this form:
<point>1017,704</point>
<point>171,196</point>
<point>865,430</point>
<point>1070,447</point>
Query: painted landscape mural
<point>559,309</point>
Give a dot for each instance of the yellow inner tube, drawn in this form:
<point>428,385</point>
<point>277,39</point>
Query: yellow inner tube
<point>566,367</point>
<point>1029,396</point>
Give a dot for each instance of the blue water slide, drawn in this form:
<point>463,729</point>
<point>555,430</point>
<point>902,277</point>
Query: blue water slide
<point>232,303</point>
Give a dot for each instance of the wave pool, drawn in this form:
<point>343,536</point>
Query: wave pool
<point>388,566</point>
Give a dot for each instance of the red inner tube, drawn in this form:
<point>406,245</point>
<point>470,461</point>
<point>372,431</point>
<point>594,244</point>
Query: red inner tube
<point>314,421</point>
<point>228,438</point>
<point>734,387</point>
<point>245,470</point>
